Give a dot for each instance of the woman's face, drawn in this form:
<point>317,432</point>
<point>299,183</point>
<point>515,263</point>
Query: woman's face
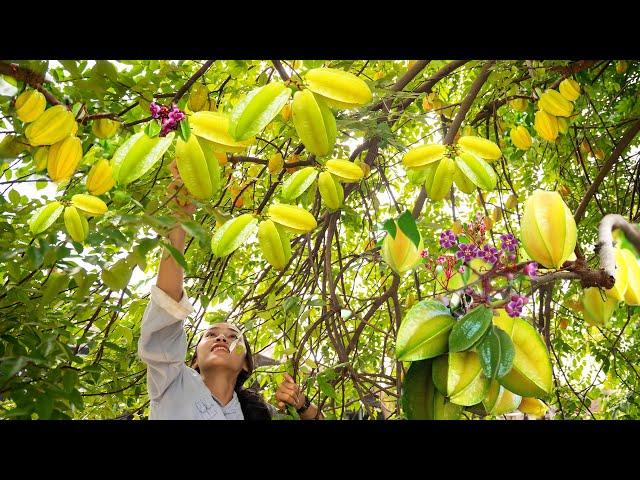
<point>222,346</point>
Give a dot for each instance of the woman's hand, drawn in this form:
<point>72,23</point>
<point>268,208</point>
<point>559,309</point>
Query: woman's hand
<point>289,394</point>
<point>185,206</point>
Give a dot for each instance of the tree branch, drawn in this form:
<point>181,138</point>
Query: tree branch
<point>29,77</point>
<point>606,168</point>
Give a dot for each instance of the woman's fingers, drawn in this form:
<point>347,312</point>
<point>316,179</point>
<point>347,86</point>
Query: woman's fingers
<point>286,397</point>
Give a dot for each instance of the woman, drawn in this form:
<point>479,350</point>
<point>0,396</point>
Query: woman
<point>212,389</point>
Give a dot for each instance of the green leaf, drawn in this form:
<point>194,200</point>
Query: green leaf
<point>408,226</point>
<point>177,255</point>
<point>14,197</point>
<point>152,129</point>
<point>185,129</point>
<point>35,256</point>
<point>117,277</point>
<point>390,227</point>
<point>44,406</point>
<point>468,329</point>
<point>57,282</point>
<point>496,352</point>
<point>326,388</point>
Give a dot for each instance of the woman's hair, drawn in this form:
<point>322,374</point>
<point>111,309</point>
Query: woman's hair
<point>253,405</point>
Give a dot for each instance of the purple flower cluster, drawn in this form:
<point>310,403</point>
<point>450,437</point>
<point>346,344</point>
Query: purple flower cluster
<point>169,118</point>
<point>447,239</point>
<point>489,254</point>
<point>531,269</point>
<point>467,252</point>
<point>509,242</point>
<point>514,307</point>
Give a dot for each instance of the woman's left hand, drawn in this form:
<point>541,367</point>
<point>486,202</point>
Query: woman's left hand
<point>289,394</point>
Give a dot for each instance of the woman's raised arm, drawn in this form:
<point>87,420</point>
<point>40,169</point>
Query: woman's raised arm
<point>170,274</point>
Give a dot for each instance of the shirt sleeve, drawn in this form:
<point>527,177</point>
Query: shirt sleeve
<point>163,342</point>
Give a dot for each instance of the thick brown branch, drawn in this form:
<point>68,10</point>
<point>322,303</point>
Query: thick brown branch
<point>606,168</point>
<point>29,77</point>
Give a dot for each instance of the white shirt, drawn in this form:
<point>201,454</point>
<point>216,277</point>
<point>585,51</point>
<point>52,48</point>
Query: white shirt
<point>176,391</point>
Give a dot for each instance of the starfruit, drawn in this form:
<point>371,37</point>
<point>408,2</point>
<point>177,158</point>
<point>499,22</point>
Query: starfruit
<point>548,230</point>
<point>632,293</point>
<point>314,123</point>
<point>477,170</point>
<point>424,331</point>
<point>570,89</point>
<point>621,66</point>
<point>512,201</point>
<point>275,244</point>
<point>500,400</point>
<point>466,384</point>
<point>621,277</point>
<point>298,183</point>
<point>76,224</point>
<point>344,170</point>
<point>293,218</point>
<point>331,190</point>
<point>519,104</point>
<point>198,167</point>
<point>54,125</point>
<point>214,128</point>
<point>552,102</point>
<point>463,182</point>
<point>338,88</point>
<point>423,155</point>
<point>256,110</point>
<point>400,253</point>
<point>546,125</point>
<point>520,137</point>
<point>104,127</point>
<point>531,372</point>
<point>100,178</point>
<point>63,158</point>
<point>276,162</point>
<point>198,98</point>
<point>563,125</point>
<point>479,147</point>
<point>233,233</point>
<point>137,155</point>
<point>421,400</point>
<point>45,216</point>
<point>286,112</point>
<point>89,204</point>
<point>40,158</point>
<point>597,307</point>
<point>533,406</point>
<point>30,104</point>
<point>440,178</point>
